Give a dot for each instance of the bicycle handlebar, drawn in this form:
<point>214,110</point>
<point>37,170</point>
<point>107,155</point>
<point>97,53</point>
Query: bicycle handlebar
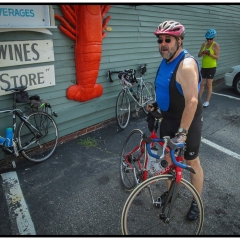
<point>143,69</point>
<point>172,146</point>
<point>109,74</point>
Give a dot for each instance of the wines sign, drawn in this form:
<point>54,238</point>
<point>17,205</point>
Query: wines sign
<point>16,53</point>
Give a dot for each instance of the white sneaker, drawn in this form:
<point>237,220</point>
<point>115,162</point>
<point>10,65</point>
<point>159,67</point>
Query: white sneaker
<point>206,104</point>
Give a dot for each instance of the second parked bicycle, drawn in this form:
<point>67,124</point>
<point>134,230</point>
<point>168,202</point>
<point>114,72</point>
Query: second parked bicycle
<point>144,94</point>
<point>36,137</point>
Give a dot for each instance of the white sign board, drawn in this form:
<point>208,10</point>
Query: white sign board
<point>36,77</point>
<point>25,52</point>
<point>24,16</point>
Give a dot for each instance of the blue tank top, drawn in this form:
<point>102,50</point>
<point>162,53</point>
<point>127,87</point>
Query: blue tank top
<point>164,89</point>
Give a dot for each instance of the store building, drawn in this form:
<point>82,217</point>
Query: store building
<point>34,51</point>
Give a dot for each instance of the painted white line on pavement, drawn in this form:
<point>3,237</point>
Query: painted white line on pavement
<point>222,149</point>
<point>226,96</point>
<point>16,203</point>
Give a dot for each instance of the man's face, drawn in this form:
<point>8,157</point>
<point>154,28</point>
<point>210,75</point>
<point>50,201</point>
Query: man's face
<point>167,46</point>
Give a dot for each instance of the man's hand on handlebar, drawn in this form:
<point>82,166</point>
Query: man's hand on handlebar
<point>181,137</point>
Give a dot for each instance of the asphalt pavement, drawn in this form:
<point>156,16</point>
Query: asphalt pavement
<point>78,191</point>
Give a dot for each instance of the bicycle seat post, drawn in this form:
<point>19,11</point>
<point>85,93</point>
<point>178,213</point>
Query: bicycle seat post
<point>14,100</point>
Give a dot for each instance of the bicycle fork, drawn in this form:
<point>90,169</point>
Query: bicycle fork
<point>165,214</point>
<point>172,195</point>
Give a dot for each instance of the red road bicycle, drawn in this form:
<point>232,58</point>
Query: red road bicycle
<point>146,212</point>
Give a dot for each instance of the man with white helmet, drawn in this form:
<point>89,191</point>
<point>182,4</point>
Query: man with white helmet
<point>177,85</point>
<point>210,51</point>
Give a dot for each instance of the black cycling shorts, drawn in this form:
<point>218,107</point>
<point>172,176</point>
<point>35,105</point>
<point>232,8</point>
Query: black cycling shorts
<point>208,73</point>
<point>170,127</point>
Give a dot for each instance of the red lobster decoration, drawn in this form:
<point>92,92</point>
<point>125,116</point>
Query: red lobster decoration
<point>87,30</point>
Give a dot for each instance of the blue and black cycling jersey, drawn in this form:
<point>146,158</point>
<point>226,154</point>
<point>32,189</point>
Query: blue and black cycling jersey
<point>169,94</point>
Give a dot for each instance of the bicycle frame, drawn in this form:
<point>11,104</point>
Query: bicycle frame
<point>24,119</point>
<point>126,87</point>
<point>18,112</point>
<point>179,158</point>
<point>145,148</point>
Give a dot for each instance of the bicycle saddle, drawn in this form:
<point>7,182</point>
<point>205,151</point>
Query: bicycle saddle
<point>16,89</point>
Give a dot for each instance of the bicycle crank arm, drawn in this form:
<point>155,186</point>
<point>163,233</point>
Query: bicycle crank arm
<point>7,150</point>
<point>31,143</point>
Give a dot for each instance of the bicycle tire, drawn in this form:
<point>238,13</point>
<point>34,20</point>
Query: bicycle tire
<point>132,160</point>
<point>122,109</point>
<point>41,149</point>
<point>140,216</point>
<point>148,94</point>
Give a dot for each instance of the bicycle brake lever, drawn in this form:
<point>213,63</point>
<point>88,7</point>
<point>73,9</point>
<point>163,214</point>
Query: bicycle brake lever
<point>164,147</point>
<point>109,76</point>
<point>189,168</point>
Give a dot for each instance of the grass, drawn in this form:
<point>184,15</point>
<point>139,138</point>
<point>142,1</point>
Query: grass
<point>88,142</point>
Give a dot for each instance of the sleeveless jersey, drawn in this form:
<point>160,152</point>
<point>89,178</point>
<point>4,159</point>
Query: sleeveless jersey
<point>207,61</point>
<point>169,94</point>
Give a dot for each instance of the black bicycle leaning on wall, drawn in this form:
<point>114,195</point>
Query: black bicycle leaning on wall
<point>145,93</point>
<point>36,137</point>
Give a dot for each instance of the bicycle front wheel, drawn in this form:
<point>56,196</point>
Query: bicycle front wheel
<point>122,109</point>
<point>39,145</point>
<point>132,160</point>
<point>148,94</point>
<point>141,212</point>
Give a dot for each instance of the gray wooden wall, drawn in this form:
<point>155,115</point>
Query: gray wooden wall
<point>130,43</point>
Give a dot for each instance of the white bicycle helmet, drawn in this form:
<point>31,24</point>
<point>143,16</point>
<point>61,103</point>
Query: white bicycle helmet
<point>172,28</point>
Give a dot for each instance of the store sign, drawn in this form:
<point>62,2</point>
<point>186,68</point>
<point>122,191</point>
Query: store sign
<point>36,77</point>
<point>14,16</point>
<point>25,52</point>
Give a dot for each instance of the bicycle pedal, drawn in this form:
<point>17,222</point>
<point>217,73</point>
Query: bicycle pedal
<point>158,203</point>
<point>13,164</point>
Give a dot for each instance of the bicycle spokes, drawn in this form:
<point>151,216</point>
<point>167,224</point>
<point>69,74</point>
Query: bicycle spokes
<point>145,213</point>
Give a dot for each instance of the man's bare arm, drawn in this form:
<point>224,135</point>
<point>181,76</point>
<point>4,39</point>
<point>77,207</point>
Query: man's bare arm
<point>188,77</point>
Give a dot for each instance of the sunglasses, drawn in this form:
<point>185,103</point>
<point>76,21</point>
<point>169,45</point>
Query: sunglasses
<point>167,40</point>
<point>209,38</point>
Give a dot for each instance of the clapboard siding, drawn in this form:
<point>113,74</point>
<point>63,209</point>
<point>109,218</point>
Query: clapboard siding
<point>130,43</point>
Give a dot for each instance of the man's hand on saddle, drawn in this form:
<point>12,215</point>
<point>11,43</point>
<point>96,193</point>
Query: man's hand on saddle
<point>152,108</point>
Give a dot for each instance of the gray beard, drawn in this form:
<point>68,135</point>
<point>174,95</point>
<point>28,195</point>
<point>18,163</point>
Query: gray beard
<point>170,54</point>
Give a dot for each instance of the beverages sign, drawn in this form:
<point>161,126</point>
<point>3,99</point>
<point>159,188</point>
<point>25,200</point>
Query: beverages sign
<point>18,16</point>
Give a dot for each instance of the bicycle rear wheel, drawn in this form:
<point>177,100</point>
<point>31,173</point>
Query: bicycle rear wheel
<point>140,216</point>
<point>148,94</point>
<point>38,147</point>
<point>122,109</point>
<point>132,160</point>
